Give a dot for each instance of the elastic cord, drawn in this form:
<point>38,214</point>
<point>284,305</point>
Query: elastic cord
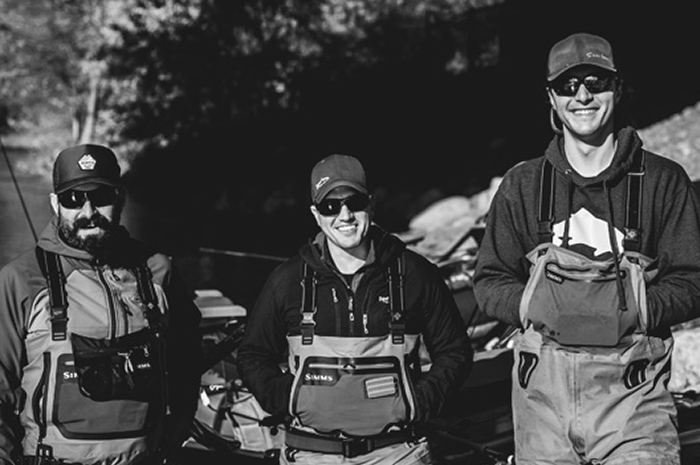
<point>616,252</point>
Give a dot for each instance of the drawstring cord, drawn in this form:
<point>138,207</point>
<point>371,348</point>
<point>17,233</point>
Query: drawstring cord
<point>616,251</point>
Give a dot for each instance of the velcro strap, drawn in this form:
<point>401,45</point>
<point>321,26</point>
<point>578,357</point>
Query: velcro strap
<point>348,447</point>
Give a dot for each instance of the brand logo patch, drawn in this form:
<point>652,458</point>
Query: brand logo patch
<point>322,181</point>
<point>384,299</point>
<point>87,163</point>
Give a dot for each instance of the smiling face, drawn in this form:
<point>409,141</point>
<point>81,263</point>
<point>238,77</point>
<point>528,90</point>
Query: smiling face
<point>347,229</point>
<point>586,111</point>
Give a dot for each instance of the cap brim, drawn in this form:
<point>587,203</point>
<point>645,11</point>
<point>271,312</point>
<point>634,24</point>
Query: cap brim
<point>562,71</point>
<point>86,185</point>
<point>339,183</point>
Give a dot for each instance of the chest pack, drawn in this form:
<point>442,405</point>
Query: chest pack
<point>579,301</point>
<point>351,387</point>
<point>125,367</point>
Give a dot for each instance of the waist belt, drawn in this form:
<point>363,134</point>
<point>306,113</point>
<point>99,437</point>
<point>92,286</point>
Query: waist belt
<point>36,460</point>
<point>348,447</point>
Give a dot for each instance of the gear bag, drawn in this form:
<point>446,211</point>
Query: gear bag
<point>578,301</point>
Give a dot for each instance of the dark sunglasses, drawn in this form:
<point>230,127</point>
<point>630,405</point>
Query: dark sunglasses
<point>331,207</point>
<point>595,84</point>
<point>100,197</point>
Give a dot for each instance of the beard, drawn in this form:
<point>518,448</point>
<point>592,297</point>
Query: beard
<point>96,244</point>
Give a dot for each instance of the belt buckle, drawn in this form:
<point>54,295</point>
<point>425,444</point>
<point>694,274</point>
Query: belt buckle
<point>352,447</point>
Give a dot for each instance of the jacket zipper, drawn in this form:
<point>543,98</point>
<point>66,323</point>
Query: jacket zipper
<point>351,311</point>
<point>110,304</point>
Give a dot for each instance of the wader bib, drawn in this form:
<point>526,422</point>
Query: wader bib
<point>588,385</point>
<point>93,397</point>
<point>351,395</point>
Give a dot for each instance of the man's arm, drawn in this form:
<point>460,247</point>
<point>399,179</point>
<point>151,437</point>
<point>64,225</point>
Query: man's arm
<point>14,296</point>
<point>183,357</point>
<point>446,339</point>
<point>262,351</point>
<point>674,295</point>
<point>500,276</point>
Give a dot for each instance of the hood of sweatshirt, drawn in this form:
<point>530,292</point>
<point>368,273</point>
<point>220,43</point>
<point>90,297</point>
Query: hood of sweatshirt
<point>628,143</point>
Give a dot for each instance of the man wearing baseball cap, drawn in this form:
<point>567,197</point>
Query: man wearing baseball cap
<point>593,250</point>
<point>351,311</point>
<point>99,361</point>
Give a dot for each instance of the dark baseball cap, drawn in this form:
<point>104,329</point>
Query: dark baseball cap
<point>579,49</point>
<point>335,171</point>
<point>85,167</point>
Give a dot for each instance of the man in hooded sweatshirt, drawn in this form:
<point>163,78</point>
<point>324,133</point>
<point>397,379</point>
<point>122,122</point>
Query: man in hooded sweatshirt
<point>593,250</point>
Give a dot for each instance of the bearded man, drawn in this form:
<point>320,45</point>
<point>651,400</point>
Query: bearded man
<point>99,350</point>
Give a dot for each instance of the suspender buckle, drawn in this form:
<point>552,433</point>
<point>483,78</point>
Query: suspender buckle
<point>59,323</point>
<point>353,447</point>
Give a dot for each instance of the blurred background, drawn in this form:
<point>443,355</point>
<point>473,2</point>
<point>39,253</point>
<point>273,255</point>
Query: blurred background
<point>218,109</point>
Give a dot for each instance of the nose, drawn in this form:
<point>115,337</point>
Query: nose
<point>345,212</point>
<point>582,94</point>
<point>87,208</point>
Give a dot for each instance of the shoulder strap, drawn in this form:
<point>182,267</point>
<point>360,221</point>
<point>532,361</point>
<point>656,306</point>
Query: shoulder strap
<point>633,215</point>
<point>397,325</point>
<point>308,303</point>
<point>51,268</point>
<point>633,219</point>
<point>147,291</point>
<point>50,265</point>
<point>545,213</point>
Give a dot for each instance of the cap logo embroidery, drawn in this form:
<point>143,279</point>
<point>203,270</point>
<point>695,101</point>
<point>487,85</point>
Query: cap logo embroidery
<point>87,163</point>
<point>322,181</point>
<point>596,55</point>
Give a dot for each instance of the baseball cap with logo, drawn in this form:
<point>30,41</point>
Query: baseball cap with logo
<point>85,167</point>
<point>335,171</point>
<point>579,49</point>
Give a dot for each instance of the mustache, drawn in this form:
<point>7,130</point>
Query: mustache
<point>95,220</point>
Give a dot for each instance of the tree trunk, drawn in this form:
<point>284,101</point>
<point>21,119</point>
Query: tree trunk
<point>87,132</point>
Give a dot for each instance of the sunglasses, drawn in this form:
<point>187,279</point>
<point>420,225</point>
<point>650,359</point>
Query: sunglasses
<point>100,197</point>
<point>595,84</point>
<point>331,207</point>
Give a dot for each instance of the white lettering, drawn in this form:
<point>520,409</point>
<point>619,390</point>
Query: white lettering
<point>318,377</point>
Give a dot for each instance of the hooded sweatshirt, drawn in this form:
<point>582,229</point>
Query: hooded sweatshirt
<point>350,310</point>
<point>670,229</point>
<point>37,375</point>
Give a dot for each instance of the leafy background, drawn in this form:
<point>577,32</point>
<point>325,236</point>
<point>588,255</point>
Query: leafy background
<point>218,109</point>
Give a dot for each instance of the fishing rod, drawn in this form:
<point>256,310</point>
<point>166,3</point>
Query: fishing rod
<point>19,191</point>
<point>234,253</point>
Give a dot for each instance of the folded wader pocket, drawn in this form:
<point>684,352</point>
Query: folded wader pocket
<point>580,305</point>
<point>79,417</point>
<point>358,396</point>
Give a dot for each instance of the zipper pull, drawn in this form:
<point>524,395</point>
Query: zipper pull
<point>365,319</point>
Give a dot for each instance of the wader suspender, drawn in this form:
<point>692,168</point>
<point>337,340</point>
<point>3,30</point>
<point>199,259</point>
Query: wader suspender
<point>633,233</point>
<point>50,264</point>
<point>397,326</point>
